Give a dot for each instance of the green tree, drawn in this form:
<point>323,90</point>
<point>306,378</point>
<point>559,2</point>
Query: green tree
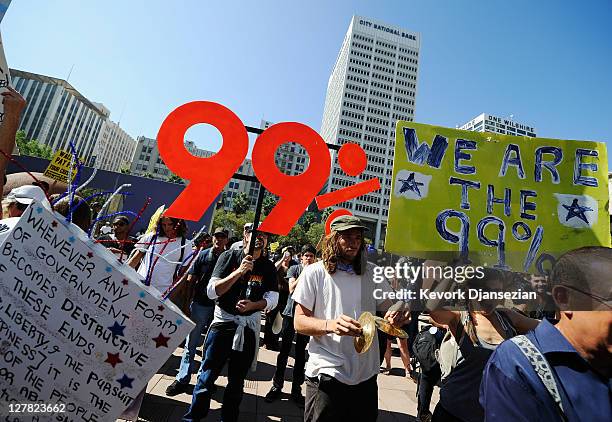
<point>20,139</point>
<point>173,178</point>
<point>296,238</point>
<point>240,204</point>
<point>125,170</point>
<point>221,201</point>
<point>308,219</point>
<point>231,221</point>
<point>87,192</point>
<point>32,147</point>
<point>326,212</point>
<point>226,219</point>
<point>269,202</point>
<point>315,233</point>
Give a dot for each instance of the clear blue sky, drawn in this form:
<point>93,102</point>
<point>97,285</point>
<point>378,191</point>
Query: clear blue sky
<point>547,62</point>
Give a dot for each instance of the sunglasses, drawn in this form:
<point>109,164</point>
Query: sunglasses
<point>119,223</point>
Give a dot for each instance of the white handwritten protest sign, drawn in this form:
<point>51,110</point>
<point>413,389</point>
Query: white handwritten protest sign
<point>77,328</point>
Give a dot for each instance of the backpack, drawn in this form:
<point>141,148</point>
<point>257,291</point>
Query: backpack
<point>425,348</point>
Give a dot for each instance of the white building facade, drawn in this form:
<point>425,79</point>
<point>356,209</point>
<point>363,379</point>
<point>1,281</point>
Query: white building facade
<point>291,158</point>
<point>235,186</point>
<point>146,158</point>
<point>372,86</point>
<point>114,149</point>
<point>506,126</point>
<point>56,113</point>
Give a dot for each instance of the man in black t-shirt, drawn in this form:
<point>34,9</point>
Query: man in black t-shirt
<point>201,307</point>
<point>243,286</point>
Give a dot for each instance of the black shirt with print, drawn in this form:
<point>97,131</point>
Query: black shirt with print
<point>255,283</point>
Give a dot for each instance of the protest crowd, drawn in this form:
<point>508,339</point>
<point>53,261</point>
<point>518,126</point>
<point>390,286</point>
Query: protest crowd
<point>548,359</point>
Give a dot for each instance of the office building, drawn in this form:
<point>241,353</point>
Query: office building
<point>114,149</point>
<point>290,158</point>
<point>146,160</point>
<point>373,84</point>
<point>493,124</point>
<point>56,113</point>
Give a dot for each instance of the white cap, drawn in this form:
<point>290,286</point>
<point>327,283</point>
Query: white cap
<point>27,193</point>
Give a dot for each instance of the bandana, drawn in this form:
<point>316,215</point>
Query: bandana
<point>348,268</point>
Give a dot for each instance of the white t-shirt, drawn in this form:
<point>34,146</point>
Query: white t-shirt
<point>330,296</point>
<point>164,266</point>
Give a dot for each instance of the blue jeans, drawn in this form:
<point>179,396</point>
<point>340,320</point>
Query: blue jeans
<point>217,350</point>
<point>202,316</point>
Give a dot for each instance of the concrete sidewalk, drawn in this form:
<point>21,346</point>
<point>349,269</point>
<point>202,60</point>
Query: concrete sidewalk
<point>396,394</point>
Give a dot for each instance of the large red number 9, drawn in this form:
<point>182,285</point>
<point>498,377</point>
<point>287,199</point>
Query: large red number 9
<point>296,192</point>
<point>207,176</point>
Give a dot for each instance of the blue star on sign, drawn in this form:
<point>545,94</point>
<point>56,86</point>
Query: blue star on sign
<point>39,210</point>
<point>576,210</point>
<point>179,321</point>
<point>71,239</point>
<point>410,184</point>
<point>142,294</point>
<point>109,269</point>
<point>125,381</point>
<point>117,329</point>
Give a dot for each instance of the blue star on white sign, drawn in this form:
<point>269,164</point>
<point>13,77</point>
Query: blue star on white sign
<point>411,184</point>
<point>576,211</point>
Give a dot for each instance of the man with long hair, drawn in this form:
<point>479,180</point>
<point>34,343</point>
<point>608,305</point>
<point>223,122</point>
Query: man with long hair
<point>332,294</point>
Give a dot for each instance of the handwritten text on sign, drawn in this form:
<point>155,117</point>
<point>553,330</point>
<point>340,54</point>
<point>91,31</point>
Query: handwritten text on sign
<point>76,327</point>
<point>502,200</point>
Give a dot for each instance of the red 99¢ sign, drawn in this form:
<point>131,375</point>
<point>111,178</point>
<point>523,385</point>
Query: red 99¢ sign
<point>207,176</point>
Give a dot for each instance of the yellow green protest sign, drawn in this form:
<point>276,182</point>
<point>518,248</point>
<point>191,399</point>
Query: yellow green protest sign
<point>59,167</point>
<point>505,201</point>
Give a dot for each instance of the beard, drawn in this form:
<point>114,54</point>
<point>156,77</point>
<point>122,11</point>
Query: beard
<point>351,256</point>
